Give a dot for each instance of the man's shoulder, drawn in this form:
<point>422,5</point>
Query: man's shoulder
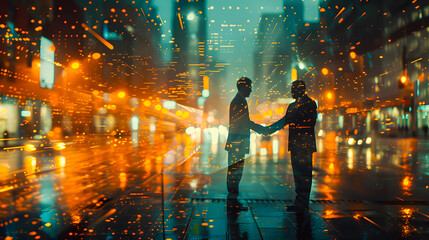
<point>311,101</point>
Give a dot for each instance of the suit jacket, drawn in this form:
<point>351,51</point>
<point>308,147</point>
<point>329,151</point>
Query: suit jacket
<point>239,126</point>
<point>301,116</point>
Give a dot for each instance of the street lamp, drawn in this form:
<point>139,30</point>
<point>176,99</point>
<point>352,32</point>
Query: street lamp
<point>325,71</point>
<point>75,65</point>
<point>191,16</point>
<point>96,55</point>
<point>121,94</point>
<point>301,65</point>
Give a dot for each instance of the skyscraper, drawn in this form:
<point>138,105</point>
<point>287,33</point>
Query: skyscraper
<point>270,81</point>
<point>189,39</point>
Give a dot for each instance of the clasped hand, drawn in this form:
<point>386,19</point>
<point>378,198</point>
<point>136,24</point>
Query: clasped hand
<point>266,131</point>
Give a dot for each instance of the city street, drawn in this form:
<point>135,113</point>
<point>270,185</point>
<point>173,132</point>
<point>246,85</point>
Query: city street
<point>176,189</point>
<point>173,119</point>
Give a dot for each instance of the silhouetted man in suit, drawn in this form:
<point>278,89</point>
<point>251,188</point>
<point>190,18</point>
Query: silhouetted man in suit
<point>238,141</point>
<point>301,116</point>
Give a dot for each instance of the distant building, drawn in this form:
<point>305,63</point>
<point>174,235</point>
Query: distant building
<point>133,30</point>
<point>278,60</point>
<point>189,51</point>
<point>271,57</point>
<point>379,42</point>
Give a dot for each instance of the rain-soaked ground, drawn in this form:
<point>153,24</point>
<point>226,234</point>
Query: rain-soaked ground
<point>175,188</point>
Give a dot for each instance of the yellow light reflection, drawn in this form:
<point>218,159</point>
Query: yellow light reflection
<point>406,214</point>
<point>350,158</point>
<point>59,146</point>
<point>60,161</point>
<point>30,165</point>
<point>29,147</point>
<point>368,158</point>
<point>406,184</point>
<point>123,180</point>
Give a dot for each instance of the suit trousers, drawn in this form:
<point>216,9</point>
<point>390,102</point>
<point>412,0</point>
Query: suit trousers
<point>302,166</point>
<point>235,172</point>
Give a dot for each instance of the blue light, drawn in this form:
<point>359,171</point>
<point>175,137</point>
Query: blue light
<point>191,16</point>
<point>169,105</point>
<point>47,67</point>
<point>135,123</point>
<point>206,93</point>
<point>25,113</point>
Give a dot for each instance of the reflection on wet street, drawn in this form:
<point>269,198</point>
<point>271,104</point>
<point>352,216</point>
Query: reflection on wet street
<point>175,188</point>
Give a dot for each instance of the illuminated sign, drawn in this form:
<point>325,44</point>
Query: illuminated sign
<point>25,113</point>
<point>135,123</point>
<point>47,67</point>
<point>169,104</point>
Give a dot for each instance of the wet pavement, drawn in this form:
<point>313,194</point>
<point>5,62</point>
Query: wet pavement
<point>175,188</point>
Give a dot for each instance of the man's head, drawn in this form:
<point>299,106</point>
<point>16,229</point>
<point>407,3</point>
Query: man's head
<point>298,89</point>
<point>244,86</point>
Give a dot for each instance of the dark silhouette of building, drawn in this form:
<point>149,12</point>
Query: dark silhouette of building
<point>189,37</point>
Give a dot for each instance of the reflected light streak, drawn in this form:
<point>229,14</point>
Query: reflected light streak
<point>123,180</point>
<point>101,39</point>
<point>60,161</point>
<point>350,158</point>
<point>275,146</point>
<point>368,158</point>
<point>406,185</point>
<point>331,168</point>
<point>263,151</point>
<point>406,215</point>
<point>252,144</point>
<point>30,165</point>
<point>215,139</point>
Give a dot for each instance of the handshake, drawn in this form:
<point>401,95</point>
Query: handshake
<point>267,130</point>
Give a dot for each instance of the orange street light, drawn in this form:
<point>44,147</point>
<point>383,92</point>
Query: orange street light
<point>96,55</point>
<point>329,95</point>
<point>121,94</point>
<point>353,55</point>
<point>325,71</point>
<point>75,65</point>
<point>403,79</point>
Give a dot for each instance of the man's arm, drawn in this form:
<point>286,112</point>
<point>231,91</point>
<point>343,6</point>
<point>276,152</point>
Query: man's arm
<point>240,117</point>
<point>280,124</point>
<point>289,117</point>
<point>258,128</point>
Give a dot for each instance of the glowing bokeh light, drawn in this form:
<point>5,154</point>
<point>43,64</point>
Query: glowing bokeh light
<point>121,94</point>
<point>75,65</point>
<point>325,71</point>
<point>96,56</point>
